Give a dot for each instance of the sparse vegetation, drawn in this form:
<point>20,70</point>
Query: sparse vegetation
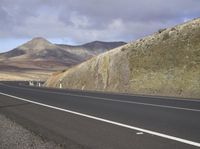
<point>166,36</point>
<point>163,64</point>
<point>123,49</point>
<point>161,30</point>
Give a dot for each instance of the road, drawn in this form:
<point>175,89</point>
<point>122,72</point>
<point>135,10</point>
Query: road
<point>82,119</point>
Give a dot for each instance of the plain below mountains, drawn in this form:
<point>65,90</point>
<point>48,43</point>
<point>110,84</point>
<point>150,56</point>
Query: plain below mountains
<point>39,56</point>
<point>165,63</point>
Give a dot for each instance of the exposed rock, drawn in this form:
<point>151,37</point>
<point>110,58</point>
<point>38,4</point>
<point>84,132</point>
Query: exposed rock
<point>167,63</point>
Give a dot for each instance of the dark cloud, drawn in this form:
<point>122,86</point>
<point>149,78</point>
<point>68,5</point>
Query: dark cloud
<point>87,20</point>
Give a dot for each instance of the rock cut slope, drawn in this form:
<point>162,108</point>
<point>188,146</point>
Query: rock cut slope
<point>165,63</point>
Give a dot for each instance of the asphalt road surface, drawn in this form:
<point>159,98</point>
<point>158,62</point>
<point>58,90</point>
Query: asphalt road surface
<point>82,119</point>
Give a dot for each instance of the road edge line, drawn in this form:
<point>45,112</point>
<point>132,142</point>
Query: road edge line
<point>109,121</point>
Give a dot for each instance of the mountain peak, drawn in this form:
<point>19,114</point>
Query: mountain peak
<point>39,39</point>
<point>37,43</point>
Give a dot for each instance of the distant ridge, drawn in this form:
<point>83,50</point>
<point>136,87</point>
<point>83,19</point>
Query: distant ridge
<point>91,49</point>
<point>40,53</point>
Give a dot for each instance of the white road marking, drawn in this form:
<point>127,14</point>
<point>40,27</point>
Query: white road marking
<point>110,122</point>
<point>139,133</point>
<point>108,99</point>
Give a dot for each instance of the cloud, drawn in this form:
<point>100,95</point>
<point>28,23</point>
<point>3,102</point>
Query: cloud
<point>82,21</point>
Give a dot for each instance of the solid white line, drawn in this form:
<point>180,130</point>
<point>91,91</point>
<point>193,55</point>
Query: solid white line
<point>110,122</point>
<point>108,99</point>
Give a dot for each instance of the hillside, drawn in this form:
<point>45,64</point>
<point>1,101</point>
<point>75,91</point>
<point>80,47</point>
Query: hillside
<point>40,53</point>
<point>165,63</point>
<point>37,58</point>
<point>91,49</point>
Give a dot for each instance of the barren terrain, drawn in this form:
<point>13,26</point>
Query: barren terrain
<point>165,63</point>
<point>38,58</point>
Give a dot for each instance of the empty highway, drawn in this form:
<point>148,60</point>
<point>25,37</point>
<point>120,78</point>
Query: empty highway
<point>82,119</point>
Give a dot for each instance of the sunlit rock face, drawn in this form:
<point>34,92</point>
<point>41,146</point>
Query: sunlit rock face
<point>165,63</point>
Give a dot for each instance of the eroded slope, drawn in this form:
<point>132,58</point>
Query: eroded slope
<point>166,63</point>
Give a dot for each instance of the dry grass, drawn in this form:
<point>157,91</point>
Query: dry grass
<point>166,63</point>
<point>25,75</point>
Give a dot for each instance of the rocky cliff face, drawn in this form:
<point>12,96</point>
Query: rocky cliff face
<point>165,63</point>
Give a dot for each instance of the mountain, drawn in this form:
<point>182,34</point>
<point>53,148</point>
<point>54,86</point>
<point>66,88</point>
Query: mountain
<point>99,45</point>
<point>42,53</point>
<point>91,49</point>
<point>43,56</point>
<point>165,63</point>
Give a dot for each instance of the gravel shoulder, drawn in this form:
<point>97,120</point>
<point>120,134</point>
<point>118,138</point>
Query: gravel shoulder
<point>15,136</point>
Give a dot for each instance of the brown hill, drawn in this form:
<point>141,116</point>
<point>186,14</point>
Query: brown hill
<point>165,63</point>
<point>91,49</point>
<point>39,55</point>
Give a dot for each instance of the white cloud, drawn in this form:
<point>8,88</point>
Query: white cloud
<point>83,21</point>
<point>79,21</point>
<point>42,25</point>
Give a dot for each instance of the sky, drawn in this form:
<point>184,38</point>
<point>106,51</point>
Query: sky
<point>80,21</point>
